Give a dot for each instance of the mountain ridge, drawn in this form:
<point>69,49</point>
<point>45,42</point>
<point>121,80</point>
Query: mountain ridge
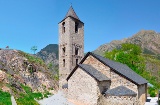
<point>49,54</point>
<point>147,39</point>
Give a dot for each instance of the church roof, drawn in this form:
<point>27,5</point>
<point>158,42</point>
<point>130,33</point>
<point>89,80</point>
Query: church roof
<point>117,67</point>
<point>120,91</point>
<point>121,69</point>
<point>71,13</point>
<point>93,72</point>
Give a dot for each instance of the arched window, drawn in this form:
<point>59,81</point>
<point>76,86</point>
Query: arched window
<point>63,27</point>
<point>76,61</point>
<point>76,27</point>
<point>63,62</point>
<point>76,51</point>
<point>64,50</point>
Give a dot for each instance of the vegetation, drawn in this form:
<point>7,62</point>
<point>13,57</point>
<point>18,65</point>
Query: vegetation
<point>5,98</point>
<point>152,91</point>
<point>28,97</point>
<point>132,56</point>
<point>33,59</point>
<point>54,69</point>
<point>34,49</point>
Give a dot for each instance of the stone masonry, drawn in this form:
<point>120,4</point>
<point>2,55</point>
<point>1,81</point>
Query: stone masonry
<point>84,86</point>
<point>71,44</point>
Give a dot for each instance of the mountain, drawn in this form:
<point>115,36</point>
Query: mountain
<point>49,54</point>
<point>22,73</point>
<point>147,39</point>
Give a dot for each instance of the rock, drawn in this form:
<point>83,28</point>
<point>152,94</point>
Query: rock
<point>2,75</point>
<point>6,89</point>
<point>17,68</point>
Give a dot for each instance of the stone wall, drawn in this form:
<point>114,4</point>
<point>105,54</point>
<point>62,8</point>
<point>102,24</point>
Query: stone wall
<point>97,65</point>
<point>118,100</point>
<point>83,88</point>
<point>142,96</point>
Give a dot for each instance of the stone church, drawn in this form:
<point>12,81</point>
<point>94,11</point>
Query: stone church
<point>93,79</point>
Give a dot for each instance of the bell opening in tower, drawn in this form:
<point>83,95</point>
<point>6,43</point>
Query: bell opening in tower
<point>76,51</point>
<point>64,50</point>
<point>76,27</point>
<point>63,27</point>
<point>76,61</point>
<point>63,62</point>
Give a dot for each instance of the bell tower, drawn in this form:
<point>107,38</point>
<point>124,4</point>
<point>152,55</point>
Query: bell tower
<point>71,44</point>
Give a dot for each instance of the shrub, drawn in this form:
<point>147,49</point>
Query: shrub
<point>5,98</point>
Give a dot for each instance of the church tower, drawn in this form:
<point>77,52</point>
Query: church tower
<point>71,44</point>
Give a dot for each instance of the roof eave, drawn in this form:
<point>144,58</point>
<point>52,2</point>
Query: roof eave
<point>73,18</point>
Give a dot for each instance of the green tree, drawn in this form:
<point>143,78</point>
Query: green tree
<point>128,54</point>
<point>34,49</point>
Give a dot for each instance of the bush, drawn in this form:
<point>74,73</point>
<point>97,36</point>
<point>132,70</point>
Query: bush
<point>152,92</point>
<point>5,98</point>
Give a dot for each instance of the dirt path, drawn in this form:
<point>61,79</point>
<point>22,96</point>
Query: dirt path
<point>13,101</point>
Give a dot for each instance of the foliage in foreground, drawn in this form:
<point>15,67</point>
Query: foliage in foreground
<point>131,55</point>
<point>5,98</point>
<point>28,97</point>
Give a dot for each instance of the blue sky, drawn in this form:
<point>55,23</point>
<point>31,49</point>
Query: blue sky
<point>25,23</point>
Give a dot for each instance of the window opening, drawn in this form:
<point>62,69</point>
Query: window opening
<point>63,62</point>
<point>76,27</point>
<point>64,50</point>
<point>63,27</point>
<point>76,61</point>
<point>76,51</point>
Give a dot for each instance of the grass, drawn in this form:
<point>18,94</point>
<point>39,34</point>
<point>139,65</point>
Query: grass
<point>5,98</point>
<point>28,97</point>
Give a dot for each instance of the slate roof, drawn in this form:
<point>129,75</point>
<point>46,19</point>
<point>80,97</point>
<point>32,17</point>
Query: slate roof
<point>71,13</point>
<point>93,72</point>
<point>117,67</point>
<point>120,91</point>
<point>65,86</point>
<point>121,69</point>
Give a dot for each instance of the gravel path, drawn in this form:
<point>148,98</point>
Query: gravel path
<point>13,101</point>
<point>152,101</point>
<point>57,99</point>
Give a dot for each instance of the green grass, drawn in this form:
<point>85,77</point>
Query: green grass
<point>28,97</point>
<point>26,100</point>
<point>5,98</point>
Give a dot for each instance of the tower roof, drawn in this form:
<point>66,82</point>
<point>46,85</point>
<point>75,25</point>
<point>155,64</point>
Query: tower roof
<point>71,13</point>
